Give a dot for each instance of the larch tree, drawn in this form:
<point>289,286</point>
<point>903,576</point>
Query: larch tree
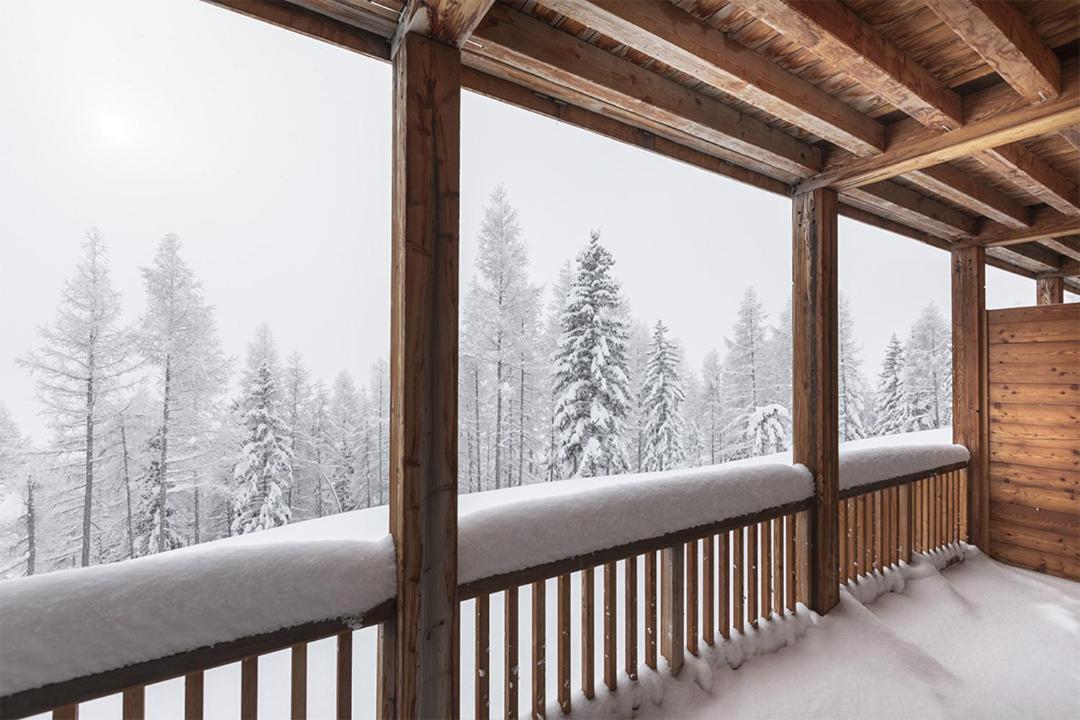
<point>296,399</point>
<point>320,449</point>
<point>179,338</point>
<point>344,433</point>
<point>711,423</point>
<point>851,383</point>
<point>747,386</point>
<point>17,504</point>
<point>891,407</point>
<point>83,362</point>
<point>264,470</point>
<point>592,383</point>
<point>928,371</point>
<point>663,396</point>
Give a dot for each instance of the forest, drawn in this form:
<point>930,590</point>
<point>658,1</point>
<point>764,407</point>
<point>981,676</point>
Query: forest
<point>159,440</point>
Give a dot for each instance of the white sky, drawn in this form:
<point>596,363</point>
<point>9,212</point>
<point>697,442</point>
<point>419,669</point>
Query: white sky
<point>269,155</point>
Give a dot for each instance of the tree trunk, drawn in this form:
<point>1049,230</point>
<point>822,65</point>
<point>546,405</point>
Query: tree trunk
<point>521,423</point>
<point>195,505</point>
<point>498,416</point>
<point>163,467</point>
<point>31,530</point>
<point>476,409</point>
<point>127,490</point>
<point>88,490</point>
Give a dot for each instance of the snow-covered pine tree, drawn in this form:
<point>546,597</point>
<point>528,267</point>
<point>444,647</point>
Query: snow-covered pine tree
<point>711,420</point>
<point>776,365</point>
<point>263,349</point>
<point>928,371</point>
<point>379,396</point>
<point>17,505</point>
<point>548,346</point>
<point>84,360</point>
<point>892,404</point>
<point>345,426</point>
<point>296,400</point>
<point>179,338</point>
<point>852,384</point>
<point>264,471</point>
<point>592,384</point>
<point>499,327</point>
<point>745,376</point>
<point>768,430</point>
<point>638,342</point>
<point>318,442</point>
<point>663,396</point>
<point>155,523</point>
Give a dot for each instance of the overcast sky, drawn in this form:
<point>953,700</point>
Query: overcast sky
<point>269,155</point>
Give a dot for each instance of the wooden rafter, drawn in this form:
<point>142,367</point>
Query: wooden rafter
<point>1067,246</point>
<point>448,21</point>
<point>1007,42</point>
<point>1046,224</point>
<point>1067,269</point>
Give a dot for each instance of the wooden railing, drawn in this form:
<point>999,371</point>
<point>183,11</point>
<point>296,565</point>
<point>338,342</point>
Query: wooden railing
<point>699,585</point>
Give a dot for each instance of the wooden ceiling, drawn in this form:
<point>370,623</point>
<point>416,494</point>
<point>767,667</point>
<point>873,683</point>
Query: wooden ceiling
<point>954,122</point>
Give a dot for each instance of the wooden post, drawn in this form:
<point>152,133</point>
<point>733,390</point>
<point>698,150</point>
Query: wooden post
<point>672,606</point>
<point>970,413</point>
<point>815,420</point>
<point>423,369</point>
<point>1050,291</point>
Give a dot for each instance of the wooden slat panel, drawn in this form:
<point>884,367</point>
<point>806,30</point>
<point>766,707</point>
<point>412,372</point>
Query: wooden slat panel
<point>344,675</point>
<point>611,643</point>
<point>193,696</point>
<point>482,680</point>
<point>1036,518</point>
<point>539,649</point>
<point>651,637</point>
<point>1035,331</point>
<point>1013,432</point>
<point>708,589</point>
<point>1049,478</point>
<point>249,688</point>
<point>723,579</point>
<point>298,677</point>
<point>563,679</point>
<point>1035,313</point>
<point>1042,453</point>
<point>510,653</point>
<point>1004,354</point>
<point>1035,560</point>
<point>1057,373</point>
<point>588,634</point>
<point>134,703</point>
<point>1007,491</point>
<point>630,614</point>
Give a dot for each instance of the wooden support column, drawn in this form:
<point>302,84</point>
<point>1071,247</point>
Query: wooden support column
<point>815,419</point>
<point>1050,291</point>
<point>970,413</point>
<point>423,368</point>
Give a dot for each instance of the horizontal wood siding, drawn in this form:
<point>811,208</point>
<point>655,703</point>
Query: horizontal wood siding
<point>1034,366</point>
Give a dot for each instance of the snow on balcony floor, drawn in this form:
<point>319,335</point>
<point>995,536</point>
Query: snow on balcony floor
<point>978,640</point>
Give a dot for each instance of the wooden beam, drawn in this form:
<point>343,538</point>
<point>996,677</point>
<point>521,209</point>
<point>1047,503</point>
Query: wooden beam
<point>999,130</point>
<point>916,209</point>
<point>1020,166</point>
<point>532,45</point>
<point>970,413</point>
<point>1070,268</point>
<point>423,365</point>
<point>838,35</point>
<point>1072,136</point>
<point>1049,291</point>
<point>1007,42</point>
<point>815,424</point>
<point>972,193</point>
<point>1046,223</point>
<point>681,41</point>
<point>1067,246</point>
<point>448,21</point>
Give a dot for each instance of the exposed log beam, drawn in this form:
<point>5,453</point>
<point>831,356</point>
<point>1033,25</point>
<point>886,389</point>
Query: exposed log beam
<point>1067,246</point>
<point>915,209</point>
<point>969,192</point>
<point>522,41</point>
<point>678,39</point>
<point>1047,223</point>
<point>448,21</point>
<point>1068,269</point>
<point>1020,166</point>
<point>835,33</point>
<point>1072,136</point>
<point>1007,42</point>
<point>999,130</point>
<point>1032,256</point>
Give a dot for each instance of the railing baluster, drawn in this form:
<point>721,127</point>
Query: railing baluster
<point>68,712</point>
<point>539,649</point>
<point>802,556</point>
<point>692,598</point>
<point>843,533</point>
<point>737,564</point>
<point>482,694</point>
<point>249,688</point>
<point>344,674</point>
<point>588,634</point>
<point>765,569</point>
<point>650,610</point>
<point>298,681</point>
<point>564,643</point>
<point>672,584</point>
<point>789,561</point>
<point>868,533</point>
<point>630,615</point>
<point>134,703</point>
<point>611,614</point>
<point>847,509</point>
<point>751,574</point>
<point>723,557</point>
<point>708,589</point>
<point>777,605</point>
<point>193,695</point>
<point>510,657</point>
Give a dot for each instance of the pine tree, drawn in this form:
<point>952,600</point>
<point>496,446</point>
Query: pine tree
<point>17,531</point>
<point>746,386</point>
<point>155,524</point>
<point>768,430</point>
<point>591,376</point>
<point>84,361</point>
<point>928,371</point>
<point>662,399</point>
<point>379,395</point>
<point>296,397</point>
<point>264,470</point>
<point>712,416</point>
<point>892,406</point>
<point>851,384</point>
<point>319,443</point>
<point>345,425</point>
<point>179,338</point>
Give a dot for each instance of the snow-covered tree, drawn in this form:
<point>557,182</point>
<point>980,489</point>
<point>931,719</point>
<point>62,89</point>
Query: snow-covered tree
<point>768,430</point>
<point>711,418</point>
<point>84,360</point>
<point>320,450</point>
<point>179,339</point>
<point>777,362</point>
<point>851,383</point>
<point>746,385</point>
<point>296,398</point>
<point>345,427</point>
<point>928,371</point>
<point>264,470</point>
<point>591,379</point>
<point>662,400</point>
<point>17,506</point>
<point>379,426</point>
<point>891,408</point>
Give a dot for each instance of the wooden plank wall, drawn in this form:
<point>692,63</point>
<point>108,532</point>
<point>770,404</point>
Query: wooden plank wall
<point>1034,367</point>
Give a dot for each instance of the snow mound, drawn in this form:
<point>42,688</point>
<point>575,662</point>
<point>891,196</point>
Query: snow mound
<point>583,516</point>
<point>68,624</point>
<point>865,462</point>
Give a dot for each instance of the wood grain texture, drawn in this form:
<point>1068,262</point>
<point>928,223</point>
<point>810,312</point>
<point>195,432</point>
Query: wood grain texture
<point>815,369</point>
<point>563,676</point>
<point>344,680</point>
<point>1049,291</point>
<point>673,607</point>
<point>630,614</point>
<point>539,649</point>
<point>482,652</point>
<point>193,695</point>
<point>423,363</point>
<point>249,688</point>
<point>298,681</point>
